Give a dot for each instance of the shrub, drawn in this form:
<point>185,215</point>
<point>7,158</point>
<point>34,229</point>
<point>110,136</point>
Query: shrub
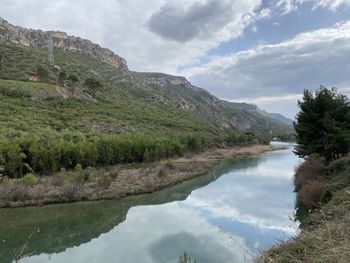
<point>71,191</point>
<point>30,180</point>
<point>338,166</point>
<point>104,181</point>
<point>78,168</point>
<point>326,196</point>
<point>18,193</point>
<point>310,194</point>
<point>312,169</point>
<point>170,164</point>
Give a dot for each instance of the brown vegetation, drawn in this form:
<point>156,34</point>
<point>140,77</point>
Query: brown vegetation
<point>115,181</point>
<point>309,181</point>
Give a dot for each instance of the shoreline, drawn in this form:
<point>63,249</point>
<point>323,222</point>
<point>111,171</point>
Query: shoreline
<point>117,182</point>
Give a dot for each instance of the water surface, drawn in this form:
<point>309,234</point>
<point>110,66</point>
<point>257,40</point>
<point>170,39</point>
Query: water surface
<point>240,208</point>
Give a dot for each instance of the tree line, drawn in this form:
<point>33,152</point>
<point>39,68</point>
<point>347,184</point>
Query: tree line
<point>50,153</point>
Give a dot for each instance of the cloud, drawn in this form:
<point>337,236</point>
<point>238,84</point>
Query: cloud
<point>330,4</point>
<point>156,234</point>
<point>283,7</point>
<point>245,199</point>
<point>199,20</point>
<point>185,32</point>
<point>305,61</point>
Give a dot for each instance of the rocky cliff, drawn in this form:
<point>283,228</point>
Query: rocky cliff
<point>39,38</point>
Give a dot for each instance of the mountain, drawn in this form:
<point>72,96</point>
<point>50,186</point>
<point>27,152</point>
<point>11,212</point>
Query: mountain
<point>224,114</point>
<point>128,102</point>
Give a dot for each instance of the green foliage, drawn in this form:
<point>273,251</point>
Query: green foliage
<point>78,168</point>
<point>93,85</point>
<point>44,128</point>
<point>240,139</point>
<point>42,74</point>
<point>62,77</point>
<point>30,179</point>
<point>53,152</point>
<point>326,196</point>
<point>323,124</point>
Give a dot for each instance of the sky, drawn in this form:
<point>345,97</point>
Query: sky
<point>264,52</point>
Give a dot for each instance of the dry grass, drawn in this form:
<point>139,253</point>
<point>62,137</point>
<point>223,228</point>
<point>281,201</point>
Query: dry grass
<point>116,181</point>
<point>325,239</point>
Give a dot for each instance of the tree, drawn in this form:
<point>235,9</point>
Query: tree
<point>1,61</point>
<point>93,85</point>
<point>73,80</point>
<point>42,74</point>
<point>323,124</point>
<point>62,77</point>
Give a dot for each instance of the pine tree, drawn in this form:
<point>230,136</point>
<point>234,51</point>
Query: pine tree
<point>323,124</point>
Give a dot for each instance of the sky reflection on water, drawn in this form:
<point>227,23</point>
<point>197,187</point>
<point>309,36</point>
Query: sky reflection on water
<point>229,220</point>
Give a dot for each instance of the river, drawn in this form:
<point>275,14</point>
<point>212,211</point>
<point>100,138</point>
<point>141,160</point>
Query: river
<point>237,210</point>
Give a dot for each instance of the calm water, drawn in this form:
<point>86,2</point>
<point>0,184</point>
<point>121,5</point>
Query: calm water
<point>229,215</point>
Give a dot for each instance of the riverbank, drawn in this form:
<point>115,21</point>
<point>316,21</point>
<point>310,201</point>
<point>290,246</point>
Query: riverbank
<point>325,232</point>
<point>116,182</point>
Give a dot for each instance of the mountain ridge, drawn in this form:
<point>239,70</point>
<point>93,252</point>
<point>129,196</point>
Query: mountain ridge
<point>59,39</point>
<point>174,90</point>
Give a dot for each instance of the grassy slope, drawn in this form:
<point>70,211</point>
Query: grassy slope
<point>122,104</point>
<point>207,107</point>
<point>326,236</point>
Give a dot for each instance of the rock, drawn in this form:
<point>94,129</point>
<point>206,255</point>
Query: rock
<point>39,38</point>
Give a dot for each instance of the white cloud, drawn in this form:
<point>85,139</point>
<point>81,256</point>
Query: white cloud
<point>123,26</point>
<point>305,61</point>
<point>283,7</point>
<point>330,4</point>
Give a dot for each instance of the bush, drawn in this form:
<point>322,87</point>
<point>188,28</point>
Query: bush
<point>170,164</point>
<point>18,193</point>
<point>310,194</point>
<point>338,166</point>
<point>312,169</point>
<point>71,191</point>
<point>30,180</point>
<point>78,168</point>
<point>104,181</point>
<point>326,197</point>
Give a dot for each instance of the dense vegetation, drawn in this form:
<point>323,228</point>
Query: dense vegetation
<point>323,124</point>
<point>84,112</point>
<point>50,153</point>
<point>322,182</point>
<point>323,134</point>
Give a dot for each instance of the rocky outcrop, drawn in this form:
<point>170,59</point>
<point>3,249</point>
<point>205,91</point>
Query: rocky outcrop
<point>39,38</point>
<point>164,80</point>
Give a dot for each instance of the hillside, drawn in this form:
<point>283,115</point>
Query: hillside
<point>84,58</point>
<point>203,105</point>
<point>67,101</point>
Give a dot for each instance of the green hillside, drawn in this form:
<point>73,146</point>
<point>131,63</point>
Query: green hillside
<point>82,111</point>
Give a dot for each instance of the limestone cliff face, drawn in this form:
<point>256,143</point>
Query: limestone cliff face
<point>39,38</point>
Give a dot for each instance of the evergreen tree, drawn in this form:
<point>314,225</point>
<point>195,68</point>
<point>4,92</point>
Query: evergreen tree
<point>62,77</point>
<point>93,85</point>
<point>73,80</point>
<point>42,74</point>
<point>323,124</point>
